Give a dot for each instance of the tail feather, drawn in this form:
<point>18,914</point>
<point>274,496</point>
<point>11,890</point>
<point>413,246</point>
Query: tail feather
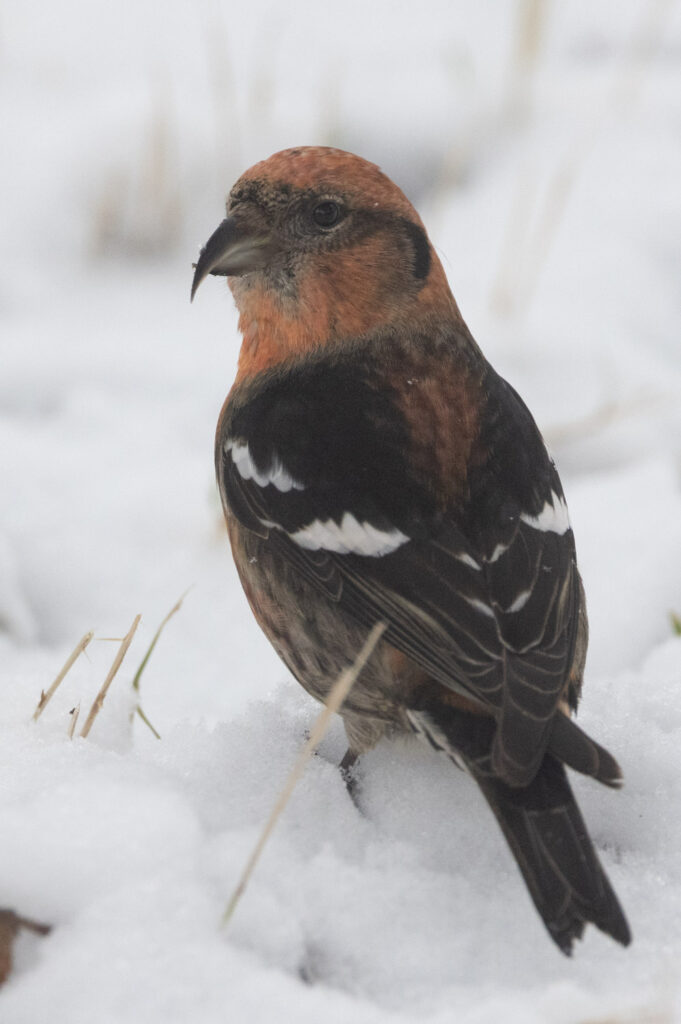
<point>547,835</point>
<point>542,825</point>
<point>577,750</point>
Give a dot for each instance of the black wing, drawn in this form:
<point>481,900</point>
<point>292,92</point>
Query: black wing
<point>484,596</point>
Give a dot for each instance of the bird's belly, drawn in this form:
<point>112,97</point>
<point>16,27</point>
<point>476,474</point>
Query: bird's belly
<point>317,641</point>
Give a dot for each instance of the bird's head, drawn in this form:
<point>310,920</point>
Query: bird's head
<point>320,247</point>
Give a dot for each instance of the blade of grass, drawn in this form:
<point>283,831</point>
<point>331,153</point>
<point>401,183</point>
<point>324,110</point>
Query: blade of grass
<point>337,695</point>
<point>138,710</point>
<point>46,695</point>
<point>143,664</point>
<point>116,664</point>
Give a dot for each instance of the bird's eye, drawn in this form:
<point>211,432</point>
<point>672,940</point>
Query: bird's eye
<point>326,214</point>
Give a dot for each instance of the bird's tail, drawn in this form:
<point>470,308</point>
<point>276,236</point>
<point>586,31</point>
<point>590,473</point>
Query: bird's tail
<point>546,832</point>
<point>543,827</point>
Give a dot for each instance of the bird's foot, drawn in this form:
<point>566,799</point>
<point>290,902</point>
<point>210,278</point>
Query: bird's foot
<point>348,772</point>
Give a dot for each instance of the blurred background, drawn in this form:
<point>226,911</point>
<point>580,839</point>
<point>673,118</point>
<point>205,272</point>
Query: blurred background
<point>541,143</point>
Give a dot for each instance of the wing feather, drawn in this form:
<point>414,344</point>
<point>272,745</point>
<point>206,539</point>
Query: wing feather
<point>484,599</point>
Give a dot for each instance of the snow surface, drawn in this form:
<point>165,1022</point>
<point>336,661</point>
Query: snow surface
<point>123,128</point>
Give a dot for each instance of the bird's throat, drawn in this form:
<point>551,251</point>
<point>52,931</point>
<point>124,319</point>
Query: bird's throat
<point>337,304</point>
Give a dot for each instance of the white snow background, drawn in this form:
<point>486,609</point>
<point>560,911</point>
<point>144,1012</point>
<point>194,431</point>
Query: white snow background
<point>542,144</point>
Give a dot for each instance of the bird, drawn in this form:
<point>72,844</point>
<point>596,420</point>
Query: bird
<point>374,468</point>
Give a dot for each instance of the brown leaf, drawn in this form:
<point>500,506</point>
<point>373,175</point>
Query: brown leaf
<point>10,926</point>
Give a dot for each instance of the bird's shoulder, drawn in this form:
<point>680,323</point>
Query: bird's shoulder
<point>393,419</point>
<point>408,432</point>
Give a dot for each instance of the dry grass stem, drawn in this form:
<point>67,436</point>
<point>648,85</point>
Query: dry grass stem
<point>74,713</point>
<point>99,699</point>
<point>599,419</point>
<point>530,27</point>
<point>530,32</point>
<point>511,255</point>
<point>227,136</point>
<point>337,695</point>
<point>636,1016</point>
<point>139,208</point>
<point>47,695</point>
<point>516,281</point>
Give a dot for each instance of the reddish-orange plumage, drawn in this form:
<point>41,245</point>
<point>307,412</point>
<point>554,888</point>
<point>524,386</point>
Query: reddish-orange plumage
<point>342,295</point>
<point>326,169</point>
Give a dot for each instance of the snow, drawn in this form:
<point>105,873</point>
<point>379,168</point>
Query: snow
<point>122,135</point>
